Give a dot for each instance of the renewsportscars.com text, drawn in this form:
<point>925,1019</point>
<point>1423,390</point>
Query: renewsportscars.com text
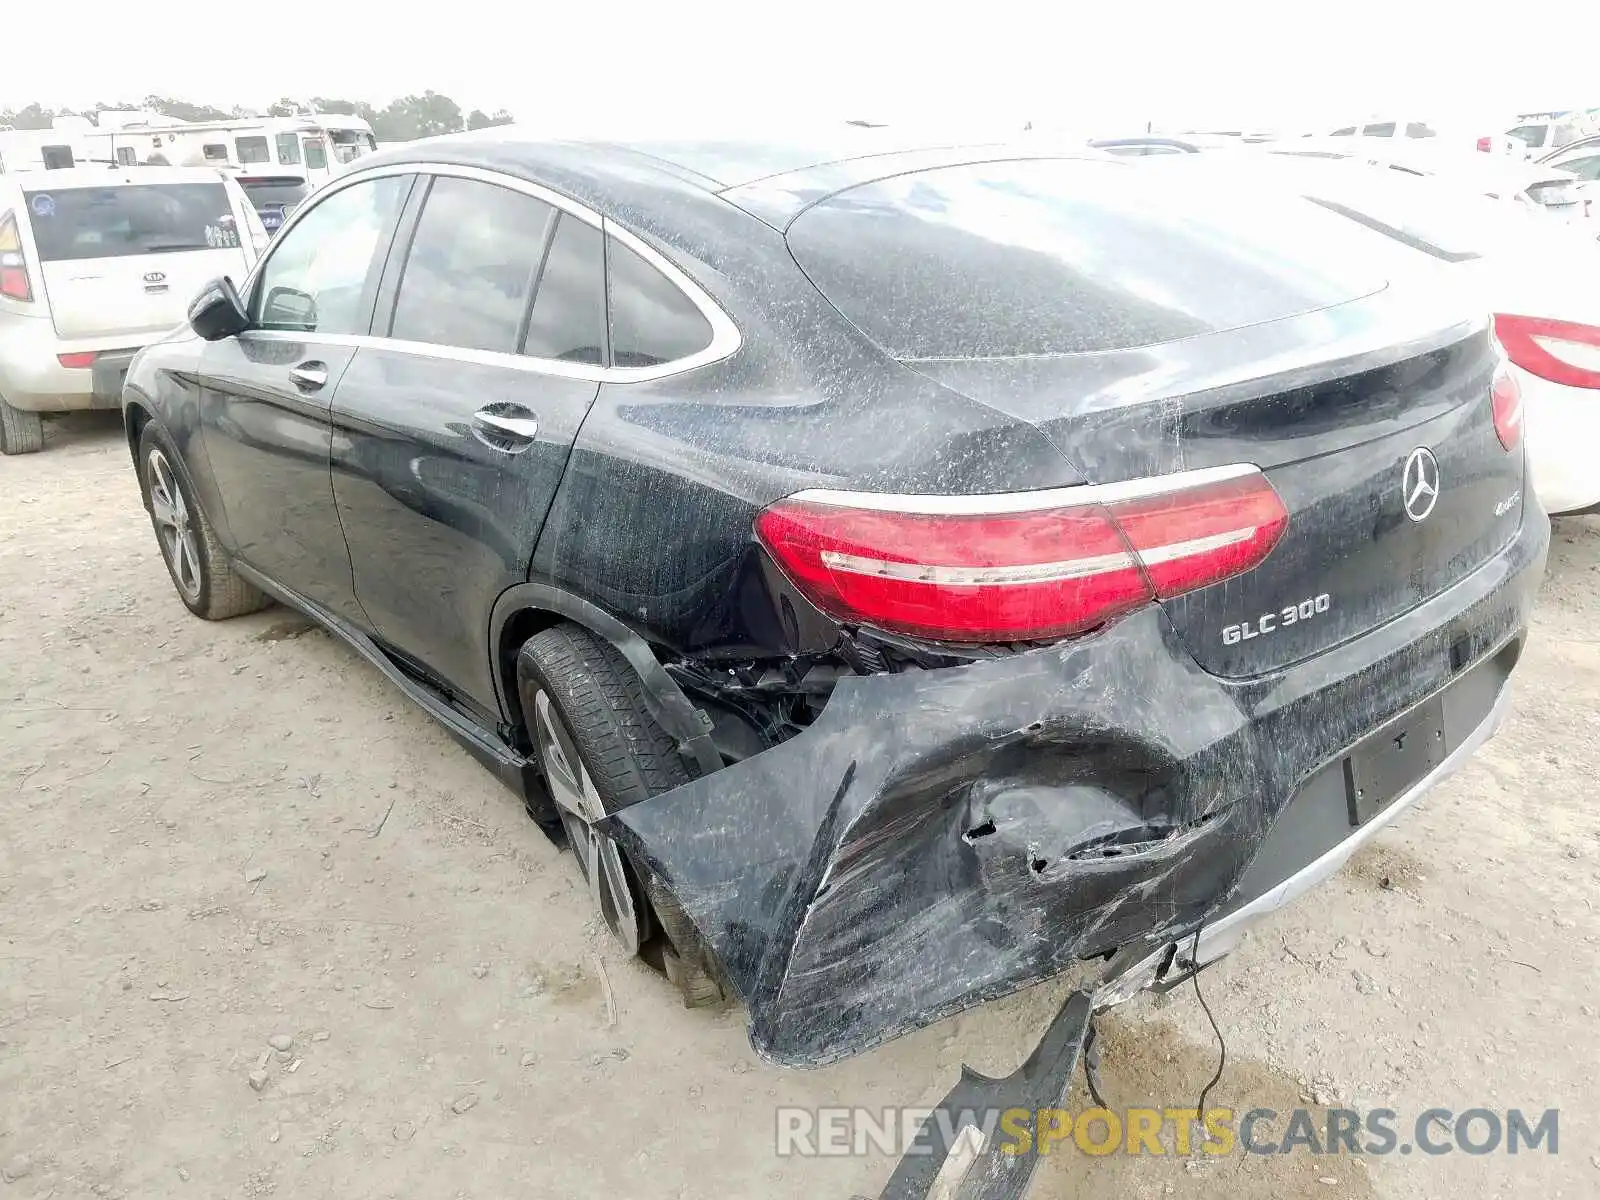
<point>847,1131</point>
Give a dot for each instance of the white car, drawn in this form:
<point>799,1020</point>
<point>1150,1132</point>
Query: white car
<point>1453,135</point>
<point>1536,275</point>
<point>1552,133</point>
<point>1549,189</point>
<point>1580,158</point>
<point>94,265</point>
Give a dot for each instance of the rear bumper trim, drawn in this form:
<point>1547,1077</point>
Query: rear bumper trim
<point>1220,936</point>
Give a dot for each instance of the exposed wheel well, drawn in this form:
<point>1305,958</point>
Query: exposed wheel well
<point>134,418</point>
<point>519,627</point>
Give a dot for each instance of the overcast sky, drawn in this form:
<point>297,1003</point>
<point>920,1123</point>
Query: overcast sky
<point>1116,64</point>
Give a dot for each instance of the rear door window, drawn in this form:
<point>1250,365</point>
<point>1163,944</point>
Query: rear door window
<point>652,320</point>
<point>1380,129</point>
<point>568,323</point>
<point>288,149</point>
<point>1532,135</point>
<point>132,219</point>
<point>316,153</point>
<point>469,275</point>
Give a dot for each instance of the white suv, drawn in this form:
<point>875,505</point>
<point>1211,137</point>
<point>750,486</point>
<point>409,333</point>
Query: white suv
<point>94,265</point>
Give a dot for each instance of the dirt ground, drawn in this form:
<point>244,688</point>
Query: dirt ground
<point>218,834</point>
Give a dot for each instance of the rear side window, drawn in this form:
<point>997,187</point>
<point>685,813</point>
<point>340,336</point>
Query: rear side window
<point>1532,135</point>
<point>1380,129</point>
<point>113,222</point>
<point>1584,168</point>
<point>1068,256</point>
<point>1416,129</point>
<point>470,271</point>
<point>288,149</point>
<point>568,322</point>
<point>316,154</point>
<point>652,320</point>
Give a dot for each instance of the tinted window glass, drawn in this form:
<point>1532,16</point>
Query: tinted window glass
<point>288,149</point>
<point>1381,129</point>
<point>112,222</point>
<point>215,151</point>
<point>316,154</point>
<point>317,275</point>
<point>285,193</point>
<point>1533,135</point>
<point>1059,257</point>
<point>1347,131</point>
<point>1416,129</point>
<point>252,150</point>
<point>1584,168</point>
<point>469,274</point>
<point>569,309</point>
<point>652,321</point>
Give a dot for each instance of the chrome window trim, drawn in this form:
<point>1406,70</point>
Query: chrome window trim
<point>725,336</point>
<point>1007,503</point>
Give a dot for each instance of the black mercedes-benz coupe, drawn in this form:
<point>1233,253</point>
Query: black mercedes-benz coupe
<point>899,574</point>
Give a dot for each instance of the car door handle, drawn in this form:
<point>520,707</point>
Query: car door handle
<point>522,428</point>
<point>309,376</point>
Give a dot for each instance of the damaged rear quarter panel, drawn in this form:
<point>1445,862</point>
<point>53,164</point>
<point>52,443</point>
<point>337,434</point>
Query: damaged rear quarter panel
<point>929,843</point>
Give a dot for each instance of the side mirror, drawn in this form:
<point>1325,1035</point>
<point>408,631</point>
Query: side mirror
<point>217,312</point>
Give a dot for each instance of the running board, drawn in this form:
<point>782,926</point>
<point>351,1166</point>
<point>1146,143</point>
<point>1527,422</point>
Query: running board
<point>511,768</point>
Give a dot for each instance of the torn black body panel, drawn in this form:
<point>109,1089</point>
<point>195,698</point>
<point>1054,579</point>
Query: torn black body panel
<point>939,838</point>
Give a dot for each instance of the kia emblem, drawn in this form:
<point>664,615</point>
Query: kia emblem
<point>155,277</point>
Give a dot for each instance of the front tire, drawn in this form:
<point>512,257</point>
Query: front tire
<point>21,432</point>
<point>204,578</point>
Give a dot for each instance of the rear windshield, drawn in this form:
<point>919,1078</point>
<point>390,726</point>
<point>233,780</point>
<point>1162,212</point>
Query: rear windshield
<point>273,193</point>
<point>1048,256</point>
<point>113,222</point>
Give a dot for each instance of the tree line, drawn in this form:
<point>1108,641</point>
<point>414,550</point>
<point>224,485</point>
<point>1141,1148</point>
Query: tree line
<point>401,120</point>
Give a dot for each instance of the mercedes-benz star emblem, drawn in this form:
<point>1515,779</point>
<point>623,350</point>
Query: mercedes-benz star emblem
<point>1419,484</point>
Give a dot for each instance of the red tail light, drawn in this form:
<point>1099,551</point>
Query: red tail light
<point>1561,351</point>
<point>1505,398</point>
<point>76,361</point>
<point>14,282</point>
<point>1485,144</point>
<point>1023,566</point>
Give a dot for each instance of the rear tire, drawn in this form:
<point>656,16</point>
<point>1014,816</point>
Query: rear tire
<point>201,573</point>
<point>21,432</point>
<point>601,750</point>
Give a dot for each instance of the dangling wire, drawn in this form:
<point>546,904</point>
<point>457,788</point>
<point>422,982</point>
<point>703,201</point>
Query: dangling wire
<point>1091,1045</point>
<point>1222,1045</point>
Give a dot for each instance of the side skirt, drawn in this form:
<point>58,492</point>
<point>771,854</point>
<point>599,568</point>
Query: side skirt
<point>512,768</point>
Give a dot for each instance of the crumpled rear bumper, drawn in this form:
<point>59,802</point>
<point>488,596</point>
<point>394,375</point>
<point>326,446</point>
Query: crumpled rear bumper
<point>940,838</point>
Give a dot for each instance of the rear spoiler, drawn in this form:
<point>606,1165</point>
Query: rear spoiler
<point>272,179</point>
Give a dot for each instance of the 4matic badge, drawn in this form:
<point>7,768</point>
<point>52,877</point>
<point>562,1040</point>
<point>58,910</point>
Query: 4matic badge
<point>1293,614</point>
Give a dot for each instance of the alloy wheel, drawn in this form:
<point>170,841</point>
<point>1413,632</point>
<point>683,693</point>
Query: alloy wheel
<point>174,525</point>
<point>599,859</point>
